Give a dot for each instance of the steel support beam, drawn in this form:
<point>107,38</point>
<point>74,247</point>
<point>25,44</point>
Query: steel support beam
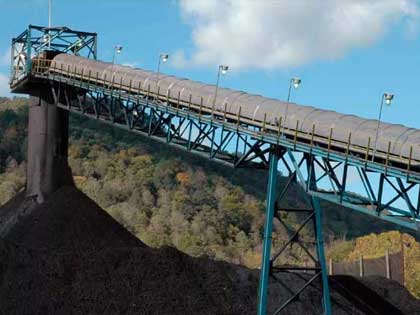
<point>268,229</point>
<point>321,255</point>
<point>316,205</point>
<point>314,216</point>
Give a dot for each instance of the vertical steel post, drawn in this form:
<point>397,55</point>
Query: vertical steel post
<point>28,51</point>
<point>95,47</point>
<point>418,202</point>
<point>215,92</point>
<point>12,62</point>
<point>220,148</point>
<point>189,135</point>
<point>236,148</point>
<point>316,205</point>
<point>380,193</point>
<point>49,22</point>
<point>212,138</point>
<point>377,128</point>
<point>268,228</point>
<point>158,70</point>
<point>49,13</point>
<point>287,106</point>
<point>321,255</point>
<point>151,114</point>
<point>168,136</point>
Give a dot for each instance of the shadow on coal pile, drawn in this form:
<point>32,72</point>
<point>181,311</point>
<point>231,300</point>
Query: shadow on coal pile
<point>68,256</point>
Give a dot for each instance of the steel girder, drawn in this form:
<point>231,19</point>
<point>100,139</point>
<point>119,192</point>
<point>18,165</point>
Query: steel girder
<point>196,133</point>
<point>36,39</point>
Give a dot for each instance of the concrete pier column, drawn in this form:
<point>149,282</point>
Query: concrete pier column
<point>47,167</point>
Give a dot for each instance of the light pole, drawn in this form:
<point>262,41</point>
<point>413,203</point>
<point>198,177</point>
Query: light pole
<point>49,21</point>
<point>295,82</point>
<point>162,58</point>
<point>388,97</point>
<point>222,70</point>
<point>49,13</point>
<point>117,49</point>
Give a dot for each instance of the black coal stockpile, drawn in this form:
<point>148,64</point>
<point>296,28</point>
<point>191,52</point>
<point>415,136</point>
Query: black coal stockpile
<point>68,256</point>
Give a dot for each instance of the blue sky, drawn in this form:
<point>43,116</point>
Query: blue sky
<point>344,66</point>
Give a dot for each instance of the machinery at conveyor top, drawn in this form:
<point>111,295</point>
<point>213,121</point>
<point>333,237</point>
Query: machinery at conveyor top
<point>396,143</point>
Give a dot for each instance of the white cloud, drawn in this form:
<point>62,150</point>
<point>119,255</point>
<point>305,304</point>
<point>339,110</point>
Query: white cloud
<point>4,85</point>
<point>133,64</point>
<point>282,33</point>
<point>178,59</point>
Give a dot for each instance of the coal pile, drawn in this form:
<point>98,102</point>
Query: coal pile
<point>69,222</point>
<point>68,256</point>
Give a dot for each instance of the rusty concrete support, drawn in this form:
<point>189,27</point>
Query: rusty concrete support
<point>47,167</point>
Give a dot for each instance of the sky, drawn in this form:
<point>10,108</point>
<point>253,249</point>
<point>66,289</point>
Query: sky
<point>347,52</point>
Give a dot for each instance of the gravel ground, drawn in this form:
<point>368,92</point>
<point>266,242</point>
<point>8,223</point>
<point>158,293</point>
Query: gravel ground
<point>68,256</point>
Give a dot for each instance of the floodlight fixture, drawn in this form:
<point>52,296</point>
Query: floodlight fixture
<point>296,82</point>
<point>223,69</point>
<point>164,57</point>
<point>388,98</point>
<point>117,49</point>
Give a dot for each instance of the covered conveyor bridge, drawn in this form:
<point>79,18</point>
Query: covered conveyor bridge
<point>395,145</point>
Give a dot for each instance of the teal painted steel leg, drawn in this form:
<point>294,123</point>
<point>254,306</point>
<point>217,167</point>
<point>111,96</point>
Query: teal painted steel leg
<point>268,228</point>
<point>150,121</point>
<point>168,136</point>
<point>189,136</point>
<point>212,139</point>
<point>321,256</point>
<point>237,147</point>
<point>28,52</point>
